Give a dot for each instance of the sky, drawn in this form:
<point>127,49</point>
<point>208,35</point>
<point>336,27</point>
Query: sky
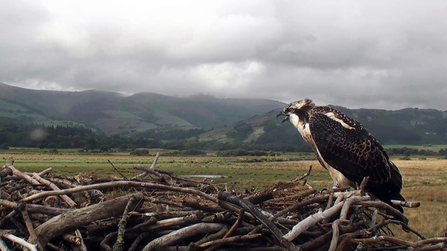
<point>358,54</point>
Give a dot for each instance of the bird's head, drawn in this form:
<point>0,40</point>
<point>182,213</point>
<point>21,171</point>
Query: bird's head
<point>296,110</point>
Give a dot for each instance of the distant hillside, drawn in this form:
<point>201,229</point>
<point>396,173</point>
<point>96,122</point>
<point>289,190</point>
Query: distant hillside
<point>406,126</point>
<point>233,120</point>
<point>113,113</point>
<point>51,103</point>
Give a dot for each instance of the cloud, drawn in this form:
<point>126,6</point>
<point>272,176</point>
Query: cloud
<point>373,54</point>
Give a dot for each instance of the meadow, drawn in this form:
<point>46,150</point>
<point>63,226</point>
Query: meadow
<point>425,178</point>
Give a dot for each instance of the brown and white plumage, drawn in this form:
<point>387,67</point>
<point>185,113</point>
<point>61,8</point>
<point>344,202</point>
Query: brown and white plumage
<point>346,149</point>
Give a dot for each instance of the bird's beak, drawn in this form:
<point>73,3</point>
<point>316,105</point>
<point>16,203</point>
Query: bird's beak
<point>283,114</point>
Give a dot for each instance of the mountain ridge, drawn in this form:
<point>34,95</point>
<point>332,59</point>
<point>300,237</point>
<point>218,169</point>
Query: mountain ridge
<point>233,120</point>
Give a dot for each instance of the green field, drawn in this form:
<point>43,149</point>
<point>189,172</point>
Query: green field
<point>425,178</point>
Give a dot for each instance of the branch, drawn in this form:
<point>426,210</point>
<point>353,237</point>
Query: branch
<point>186,232</point>
<point>304,175</point>
<point>120,184</point>
<point>19,241</point>
<point>22,175</point>
<point>118,171</point>
<point>311,221</point>
<point>77,218</point>
<point>67,199</point>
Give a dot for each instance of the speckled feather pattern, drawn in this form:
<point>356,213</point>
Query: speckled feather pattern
<point>343,144</point>
<point>354,152</point>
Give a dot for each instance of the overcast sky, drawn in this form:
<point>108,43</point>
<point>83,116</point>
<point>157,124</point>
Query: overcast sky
<point>370,54</point>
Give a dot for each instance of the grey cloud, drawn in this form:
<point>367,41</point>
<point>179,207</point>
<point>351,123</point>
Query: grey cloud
<point>378,54</point>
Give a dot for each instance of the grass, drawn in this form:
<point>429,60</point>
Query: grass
<point>425,179</point>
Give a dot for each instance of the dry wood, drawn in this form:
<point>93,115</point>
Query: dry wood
<point>22,175</point>
<point>119,184</point>
<point>131,204</point>
<point>77,218</point>
<point>179,213</point>
<point>67,199</point>
<point>166,240</point>
<point>20,241</point>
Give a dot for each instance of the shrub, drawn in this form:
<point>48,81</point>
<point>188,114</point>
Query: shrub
<point>140,152</point>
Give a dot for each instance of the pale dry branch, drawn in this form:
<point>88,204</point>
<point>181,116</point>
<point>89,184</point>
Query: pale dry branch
<point>20,241</point>
<point>183,233</point>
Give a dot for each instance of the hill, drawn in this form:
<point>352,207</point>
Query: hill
<point>113,113</point>
<point>406,126</point>
<point>245,121</point>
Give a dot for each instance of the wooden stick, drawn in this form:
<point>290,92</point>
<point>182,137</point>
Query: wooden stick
<point>311,221</point>
<point>77,218</point>
<point>230,240</point>
<point>399,241</point>
<point>183,233</point>
<point>30,228</point>
<point>304,175</point>
<point>259,215</point>
<point>22,175</point>
<point>120,184</point>
<point>119,244</point>
<point>20,241</point>
<point>67,199</point>
<point>152,167</point>
<point>3,246</point>
<point>118,171</point>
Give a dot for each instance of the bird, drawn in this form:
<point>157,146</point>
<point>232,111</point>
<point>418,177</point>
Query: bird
<point>346,149</point>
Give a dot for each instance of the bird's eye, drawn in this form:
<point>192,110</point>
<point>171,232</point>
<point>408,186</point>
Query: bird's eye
<point>290,110</point>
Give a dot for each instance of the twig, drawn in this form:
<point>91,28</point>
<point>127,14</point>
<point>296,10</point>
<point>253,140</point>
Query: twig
<point>229,240</point>
<point>20,241</point>
<point>30,228</point>
<point>77,218</point>
<point>22,175</point>
<point>67,199</point>
<point>411,204</point>
<point>116,169</point>
<point>120,184</point>
<point>304,175</point>
<point>336,233</point>
<point>183,233</point>
<point>259,215</point>
<point>119,244</point>
<point>399,241</point>
<point>141,175</point>
<point>311,221</point>
<point>3,246</point>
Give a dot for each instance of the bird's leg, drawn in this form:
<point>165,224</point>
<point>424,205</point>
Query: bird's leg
<point>335,184</point>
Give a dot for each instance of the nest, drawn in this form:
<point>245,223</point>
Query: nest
<point>157,210</point>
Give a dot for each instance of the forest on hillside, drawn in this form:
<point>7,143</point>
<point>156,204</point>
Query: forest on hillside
<point>60,137</point>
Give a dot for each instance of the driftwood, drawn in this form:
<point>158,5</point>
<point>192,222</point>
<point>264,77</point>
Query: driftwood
<point>43,211</point>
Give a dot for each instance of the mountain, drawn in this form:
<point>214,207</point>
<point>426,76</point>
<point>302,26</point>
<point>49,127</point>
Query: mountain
<point>113,113</point>
<point>52,104</point>
<point>405,126</point>
<point>233,120</point>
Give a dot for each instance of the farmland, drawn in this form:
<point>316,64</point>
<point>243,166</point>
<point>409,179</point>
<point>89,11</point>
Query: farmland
<point>425,178</point>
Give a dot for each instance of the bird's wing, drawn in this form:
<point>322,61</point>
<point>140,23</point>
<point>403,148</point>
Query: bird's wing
<point>348,147</point>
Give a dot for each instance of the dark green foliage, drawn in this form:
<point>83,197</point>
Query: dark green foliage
<point>139,152</point>
<point>406,151</point>
<point>176,134</point>
<point>241,152</point>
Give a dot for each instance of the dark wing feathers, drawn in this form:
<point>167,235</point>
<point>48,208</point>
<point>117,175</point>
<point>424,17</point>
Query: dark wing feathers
<point>352,150</point>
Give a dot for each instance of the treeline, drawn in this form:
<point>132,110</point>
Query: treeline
<point>186,141</point>
<point>60,137</point>
<point>406,151</point>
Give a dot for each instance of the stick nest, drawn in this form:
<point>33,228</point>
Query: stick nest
<point>157,210</point>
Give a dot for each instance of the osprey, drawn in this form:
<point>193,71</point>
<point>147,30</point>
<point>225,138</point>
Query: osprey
<point>346,149</point>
